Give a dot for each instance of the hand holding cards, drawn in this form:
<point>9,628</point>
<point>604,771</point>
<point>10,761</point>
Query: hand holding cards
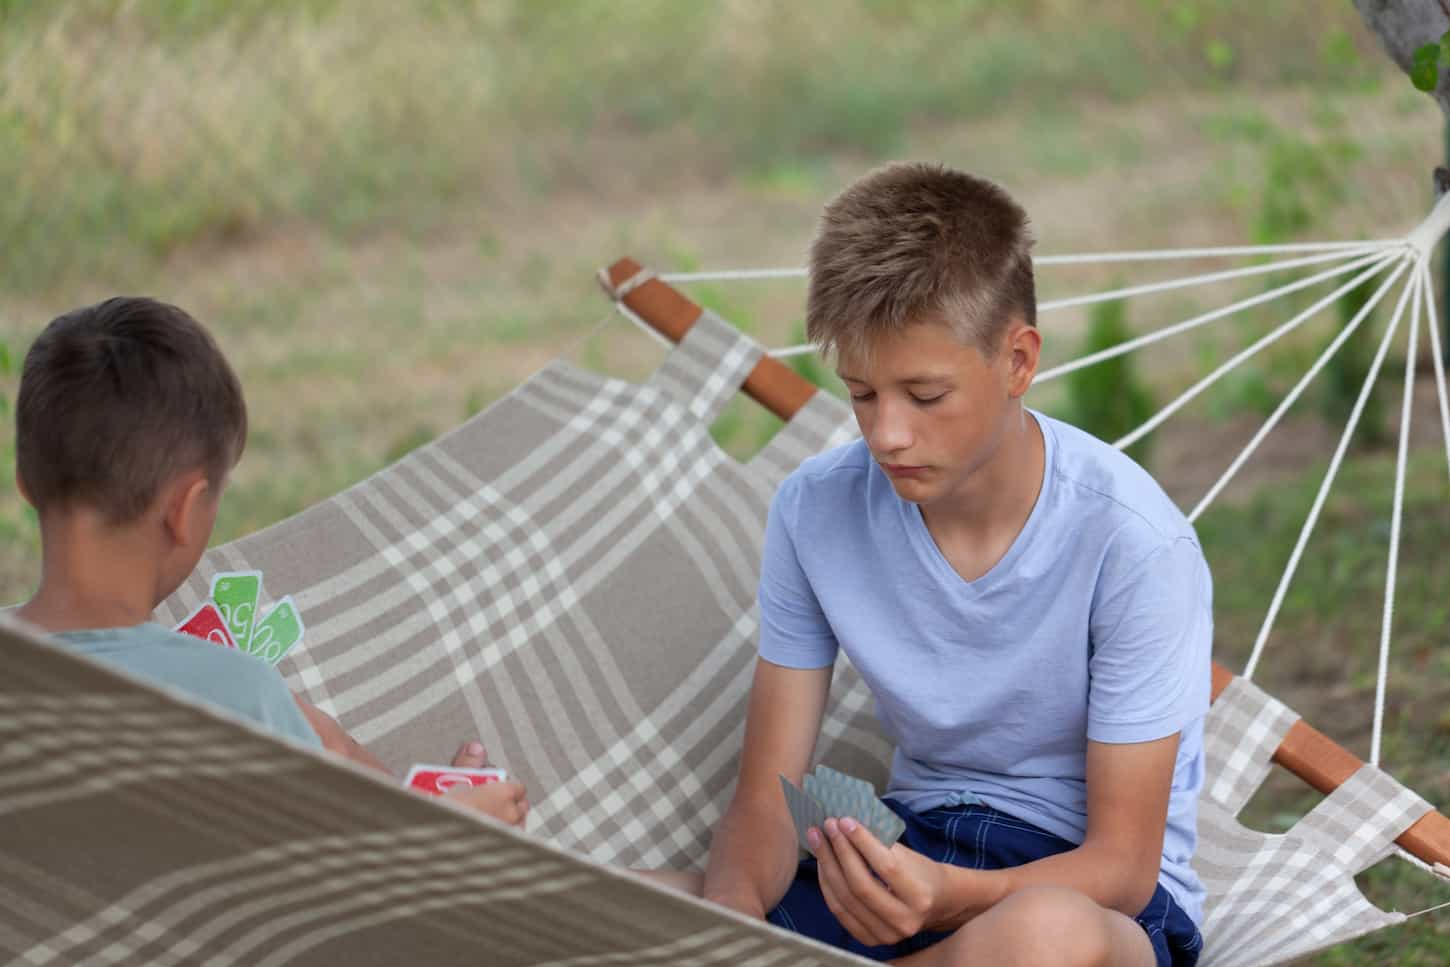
<point>829,793</point>
<point>207,623</point>
<point>436,780</point>
<point>230,618</point>
<point>485,789</point>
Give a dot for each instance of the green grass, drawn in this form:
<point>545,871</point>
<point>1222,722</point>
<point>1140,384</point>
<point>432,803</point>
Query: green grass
<point>1322,655</point>
<point>129,130</point>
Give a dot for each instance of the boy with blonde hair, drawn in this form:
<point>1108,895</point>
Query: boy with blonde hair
<point>128,422</point>
<point>1031,613</point>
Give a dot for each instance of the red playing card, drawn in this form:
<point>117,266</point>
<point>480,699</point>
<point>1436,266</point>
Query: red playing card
<point>207,624</point>
<point>436,780</point>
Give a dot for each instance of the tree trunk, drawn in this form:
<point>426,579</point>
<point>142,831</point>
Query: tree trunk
<point>1403,25</point>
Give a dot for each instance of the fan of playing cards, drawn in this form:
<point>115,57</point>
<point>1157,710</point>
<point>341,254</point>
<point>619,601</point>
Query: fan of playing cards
<point>831,793</point>
<point>230,619</point>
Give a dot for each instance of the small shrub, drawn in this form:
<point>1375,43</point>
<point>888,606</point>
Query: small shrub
<point>1109,399</point>
<point>1347,370</point>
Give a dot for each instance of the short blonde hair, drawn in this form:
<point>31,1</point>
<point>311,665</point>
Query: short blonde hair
<point>913,242</point>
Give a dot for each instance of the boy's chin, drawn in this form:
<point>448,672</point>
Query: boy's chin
<point>915,491</point>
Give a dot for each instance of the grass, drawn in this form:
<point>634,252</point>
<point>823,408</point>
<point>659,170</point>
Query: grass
<point>387,236</point>
<point>130,130</point>
<point>1322,655</point>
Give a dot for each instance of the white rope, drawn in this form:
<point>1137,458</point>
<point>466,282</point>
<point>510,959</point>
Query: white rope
<point>1391,572</point>
<point>1154,255</point>
<point>1136,343</point>
<point>1328,481</point>
<point>1423,238</point>
<point>654,333</point>
<point>1292,396</point>
<point>801,350</point>
<point>735,275</point>
<point>620,292</point>
<point>1085,258</point>
<point>1162,415</point>
<point>1382,254</point>
<point>1434,327</point>
<point>1439,870</point>
<point>1188,281</point>
<point>1421,913</point>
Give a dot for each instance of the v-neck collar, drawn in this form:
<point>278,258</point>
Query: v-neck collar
<point>931,553</point>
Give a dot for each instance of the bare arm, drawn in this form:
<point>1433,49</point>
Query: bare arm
<point>1117,864</point>
<point>335,738</point>
<point>506,801</point>
<point>882,895</point>
<point>753,854</point>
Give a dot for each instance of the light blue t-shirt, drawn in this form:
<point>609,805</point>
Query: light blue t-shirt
<point>1096,624</point>
<point>247,686</point>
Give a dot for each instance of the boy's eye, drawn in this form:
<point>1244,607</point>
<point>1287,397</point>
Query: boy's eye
<point>928,400</point>
<point>861,397</point>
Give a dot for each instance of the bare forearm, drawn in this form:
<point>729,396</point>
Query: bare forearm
<point>336,739</point>
<point>1107,876</point>
<point>752,859</point>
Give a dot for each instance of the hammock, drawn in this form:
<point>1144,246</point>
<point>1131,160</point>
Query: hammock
<point>571,576</point>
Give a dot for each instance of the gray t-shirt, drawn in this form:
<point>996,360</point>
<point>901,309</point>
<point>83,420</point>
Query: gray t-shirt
<point>247,686</point>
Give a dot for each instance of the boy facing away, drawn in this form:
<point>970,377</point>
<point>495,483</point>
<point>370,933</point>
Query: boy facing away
<point>129,421</point>
<point>1031,613</point>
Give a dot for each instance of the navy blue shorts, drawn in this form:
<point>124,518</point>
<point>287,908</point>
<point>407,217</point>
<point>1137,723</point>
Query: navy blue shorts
<point>982,838</point>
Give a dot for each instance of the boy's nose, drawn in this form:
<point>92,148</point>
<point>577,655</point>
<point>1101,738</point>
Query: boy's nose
<point>890,430</point>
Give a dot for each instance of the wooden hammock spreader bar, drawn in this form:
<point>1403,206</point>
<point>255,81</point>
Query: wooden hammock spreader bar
<point>1306,752</point>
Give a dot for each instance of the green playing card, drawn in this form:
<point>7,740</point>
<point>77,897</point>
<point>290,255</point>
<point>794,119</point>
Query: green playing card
<point>276,633</point>
<point>235,594</point>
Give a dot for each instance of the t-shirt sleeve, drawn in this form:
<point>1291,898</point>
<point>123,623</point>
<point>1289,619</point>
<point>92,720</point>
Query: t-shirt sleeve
<point>1151,632</point>
<point>274,708</point>
<point>794,631</point>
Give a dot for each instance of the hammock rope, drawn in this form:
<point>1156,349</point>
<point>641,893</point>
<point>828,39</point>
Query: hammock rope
<point>1291,397</point>
<point>1319,499</point>
<point>1421,913</point>
<point>1433,325</point>
<point>1396,516</point>
<point>1189,281</point>
<point>1153,422</point>
<point>1147,339</point>
<point>1084,258</point>
<point>1367,257</point>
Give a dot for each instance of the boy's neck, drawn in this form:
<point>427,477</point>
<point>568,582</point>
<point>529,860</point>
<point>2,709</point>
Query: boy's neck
<point>93,576</point>
<point>1000,496</point>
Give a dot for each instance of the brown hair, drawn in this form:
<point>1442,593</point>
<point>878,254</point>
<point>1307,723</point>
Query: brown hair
<point>912,242</point>
<point>118,398</point>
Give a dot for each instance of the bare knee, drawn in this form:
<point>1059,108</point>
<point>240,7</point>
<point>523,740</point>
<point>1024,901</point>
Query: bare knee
<point>1051,925</point>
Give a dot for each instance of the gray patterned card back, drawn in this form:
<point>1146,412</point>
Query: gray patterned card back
<point>831,793</point>
<point>805,812</point>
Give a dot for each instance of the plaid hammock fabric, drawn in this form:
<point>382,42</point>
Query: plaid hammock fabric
<point>570,576</point>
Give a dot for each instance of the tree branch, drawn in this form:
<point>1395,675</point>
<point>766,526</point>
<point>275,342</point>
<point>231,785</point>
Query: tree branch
<point>1405,25</point>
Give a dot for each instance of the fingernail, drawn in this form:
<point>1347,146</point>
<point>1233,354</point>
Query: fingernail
<point>831,827</point>
<point>848,826</point>
<point>813,838</point>
<point>475,748</point>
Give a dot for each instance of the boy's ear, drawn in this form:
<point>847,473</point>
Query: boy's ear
<point>1024,344</point>
<point>184,505</point>
<point>23,490</point>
